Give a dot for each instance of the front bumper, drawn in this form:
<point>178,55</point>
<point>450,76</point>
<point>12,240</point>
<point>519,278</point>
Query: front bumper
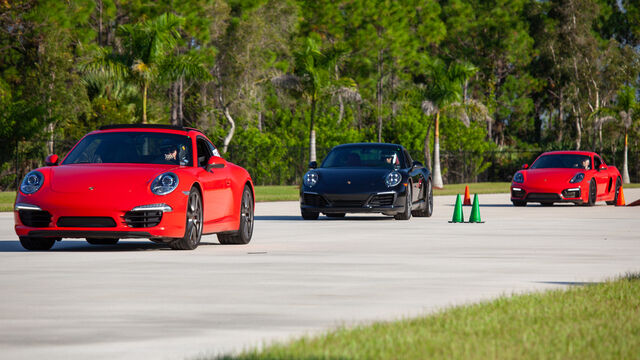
<point>387,202</point>
<point>558,194</point>
<point>51,214</point>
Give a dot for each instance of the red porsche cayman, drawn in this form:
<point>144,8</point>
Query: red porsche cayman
<point>579,177</point>
<point>160,182</point>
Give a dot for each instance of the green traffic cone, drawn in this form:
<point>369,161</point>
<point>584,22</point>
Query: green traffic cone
<point>457,212</point>
<point>475,211</point>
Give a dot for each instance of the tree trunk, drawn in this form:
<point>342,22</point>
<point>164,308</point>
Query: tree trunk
<point>227,139</point>
<point>174,103</point>
<point>427,150</point>
<point>379,94</point>
<point>579,132</point>
<point>99,6</point>
<point>50,129</point>
<point>180,101</point>
<point>312,132</point>
<point>205,112</point>
<point>341,109</point>
<point>437,174</point>
<point>625,165</point>
<point>144,103</point>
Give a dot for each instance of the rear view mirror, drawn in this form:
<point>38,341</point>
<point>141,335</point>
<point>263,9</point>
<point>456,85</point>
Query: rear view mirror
<point>525,166</point>
<point>216,162</point>
<point>313,165</point>
<point>51,160</point>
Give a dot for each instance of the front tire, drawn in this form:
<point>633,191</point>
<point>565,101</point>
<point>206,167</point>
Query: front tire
<point>615,198</point>
<point>427,209</point>
<point>36,243</point>
<point>102,241</point>
<point>309,215</point>
<point>546,203</point>
<point>193,226</point>
<point>336,215</point>
<point>245,230</point>
<point>519,203</point>
<point>406,214</point>
<point>592,193</point>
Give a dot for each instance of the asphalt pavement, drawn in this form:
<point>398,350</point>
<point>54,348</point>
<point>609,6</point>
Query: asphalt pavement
<point>139,300</point>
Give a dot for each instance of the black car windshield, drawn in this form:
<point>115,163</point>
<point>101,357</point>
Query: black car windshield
<point>365,156</point>
<point>132,147</point>
<point>563,161</point>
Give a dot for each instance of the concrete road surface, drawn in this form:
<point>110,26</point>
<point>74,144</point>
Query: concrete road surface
<point>141,300</point>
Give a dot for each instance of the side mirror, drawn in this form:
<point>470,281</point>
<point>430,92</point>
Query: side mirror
<point>216,162</point>
<point>313,165</point>
<point>525,166</point>
<point>51,160</point>
<point>417,164</point>
<point>602,167</point>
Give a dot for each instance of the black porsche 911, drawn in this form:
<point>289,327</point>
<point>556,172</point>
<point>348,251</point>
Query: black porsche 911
<point>367,178</point>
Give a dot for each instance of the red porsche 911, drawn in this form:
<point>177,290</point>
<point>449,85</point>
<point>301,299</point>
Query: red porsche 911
<point>159,182</point>
<point>578,177</point>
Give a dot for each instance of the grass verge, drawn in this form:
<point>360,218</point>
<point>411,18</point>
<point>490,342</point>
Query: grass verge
<point>6,200</point>
<point>600,321</point>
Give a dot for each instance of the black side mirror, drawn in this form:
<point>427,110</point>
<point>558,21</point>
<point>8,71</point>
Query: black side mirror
<point>313,165</point>
<point>417,164</point>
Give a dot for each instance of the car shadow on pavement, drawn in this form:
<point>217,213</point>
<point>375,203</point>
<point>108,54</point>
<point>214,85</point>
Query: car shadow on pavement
<point>83,246</point>
<point>321,218</point>
<point>572,283</point>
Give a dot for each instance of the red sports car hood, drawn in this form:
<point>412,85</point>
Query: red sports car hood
<point>551,176</point>
<point>113,178</point>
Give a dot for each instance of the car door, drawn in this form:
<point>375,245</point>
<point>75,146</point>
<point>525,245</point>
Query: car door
<point>416,176</point>
<point>601,176</point>
<point>216,185</point>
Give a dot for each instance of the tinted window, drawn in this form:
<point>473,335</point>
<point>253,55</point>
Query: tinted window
<point>132,147</point>
<point>365,156</point>
<point>562,161</point>
<point>204,152</point>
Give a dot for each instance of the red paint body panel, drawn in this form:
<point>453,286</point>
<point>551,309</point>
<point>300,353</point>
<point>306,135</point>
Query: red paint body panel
<point>112,189</point>
<point>556,180</point>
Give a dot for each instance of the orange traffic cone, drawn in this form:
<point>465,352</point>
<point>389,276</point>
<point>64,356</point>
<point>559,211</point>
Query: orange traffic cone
<point>467,198</point>
<point>620,201</point>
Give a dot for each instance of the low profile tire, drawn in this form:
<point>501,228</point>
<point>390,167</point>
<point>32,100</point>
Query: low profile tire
<point>36,243</point>
<point>101,241</point>
<point>245,231</point>
<point>309,215</point>
<point>592,193</point>
<point>547,204</point>
<point>406,214</point>
<point>519,203</point>
<point>427,206</point>
<point>193,226</point>
<point>615,198</point>
<point>336,215</point>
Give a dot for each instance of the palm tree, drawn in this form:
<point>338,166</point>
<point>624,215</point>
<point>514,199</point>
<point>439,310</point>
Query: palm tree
<point>444,93</point>
<point>627,107</point>
<point>146,56</point>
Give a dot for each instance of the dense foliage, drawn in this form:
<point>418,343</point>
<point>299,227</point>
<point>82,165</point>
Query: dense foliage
<point>270,80</point>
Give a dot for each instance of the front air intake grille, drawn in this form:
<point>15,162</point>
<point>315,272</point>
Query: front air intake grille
<point>571,193</point>
<point>143,219</point>
<point>382,200</point>
<point>543,197</point>
<point>35,218</point>
<point>86,221</point>
<point>314,200</point>
<point>347,203</point>
<point>517,193</point>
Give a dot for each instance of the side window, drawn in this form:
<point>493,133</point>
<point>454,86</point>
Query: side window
<point>407,158</point>
<point>213,149</point>
<point>204,152</point>
<point>596,162</point>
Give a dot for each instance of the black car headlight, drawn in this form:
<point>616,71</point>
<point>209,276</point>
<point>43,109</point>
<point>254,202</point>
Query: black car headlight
<point>32,182</point>
<point>577,178</point>
<point>518,178</point>
<point>392,179</point>
<point>310,178</point>
<point>164,184</point>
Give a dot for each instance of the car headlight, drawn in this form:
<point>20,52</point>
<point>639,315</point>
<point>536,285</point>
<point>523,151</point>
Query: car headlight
<point>164,183</point>
<point>392,179</point>
<point>310,178</point>
<point>32,182</point>
<point>518,178</point>
<point>577,178</point>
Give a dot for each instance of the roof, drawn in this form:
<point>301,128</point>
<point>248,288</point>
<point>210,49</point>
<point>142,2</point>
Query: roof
<point>574,152</point>
<point>147,126</point>
<point>369,144</point>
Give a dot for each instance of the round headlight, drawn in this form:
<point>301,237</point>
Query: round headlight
<point>518,177</point>
<point>392,179</point>
<point>164,183</point>
<point>577,178</point>
<point>32,182</point>
<point>310,178</point>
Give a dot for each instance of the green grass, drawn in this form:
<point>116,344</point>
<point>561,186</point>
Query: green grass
<point>599,321</point>
<point>6,200</point>
<point>277,193</point>
<point>474,188</point>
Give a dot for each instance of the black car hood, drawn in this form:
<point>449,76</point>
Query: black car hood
<point>349,180</point>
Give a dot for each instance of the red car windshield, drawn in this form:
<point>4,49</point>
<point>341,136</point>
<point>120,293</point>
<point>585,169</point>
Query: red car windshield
<point>132,147</point>
<point>563,161</point>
